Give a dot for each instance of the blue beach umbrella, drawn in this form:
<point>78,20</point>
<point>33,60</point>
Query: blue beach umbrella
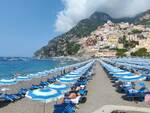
<point>8,81</point>
<point>132,78</point>
<point>115,70</point>
<point>72,76</point>
<point>60,87</point>
<point>77,72</point>
<point>23,78</point>
<point>44,95</point>
<point>66,80</point>
<point>121,74</point>
<point>42,73</point>
<point>35,75</point>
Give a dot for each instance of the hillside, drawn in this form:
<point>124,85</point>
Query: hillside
<point>67,43</point>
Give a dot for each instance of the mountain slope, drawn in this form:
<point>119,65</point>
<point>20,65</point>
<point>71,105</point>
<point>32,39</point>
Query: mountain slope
<point>60,46</point>
<point>143,18</point>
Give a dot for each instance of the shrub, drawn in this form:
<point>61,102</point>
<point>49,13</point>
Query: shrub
<point>121,52</point>
<point>72,48</point>
<point>136,31</point>
<point>141,52</point>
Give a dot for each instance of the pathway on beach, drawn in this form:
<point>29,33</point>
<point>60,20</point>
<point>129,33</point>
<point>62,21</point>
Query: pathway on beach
<point>101,92</point>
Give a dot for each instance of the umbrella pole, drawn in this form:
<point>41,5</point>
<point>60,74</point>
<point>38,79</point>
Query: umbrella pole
<point>44,107</point>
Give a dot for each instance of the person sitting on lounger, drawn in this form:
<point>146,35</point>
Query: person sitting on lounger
<point>73,97</point>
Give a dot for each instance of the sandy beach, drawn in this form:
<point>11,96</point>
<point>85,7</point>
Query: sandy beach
<point>100,93</point>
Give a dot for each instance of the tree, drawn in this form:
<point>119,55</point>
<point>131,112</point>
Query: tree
<point>121,52</point>
<point>72,48</point>
<point>141,52</point>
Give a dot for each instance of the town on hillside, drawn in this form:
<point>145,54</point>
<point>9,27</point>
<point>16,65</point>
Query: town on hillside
<point>117,39</point>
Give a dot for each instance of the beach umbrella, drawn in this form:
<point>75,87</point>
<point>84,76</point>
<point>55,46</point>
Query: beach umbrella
<point>76,76</point>
<point>59,87</point>
<point>66,80</point>
<point>43,73</point>
<point>8,81</point>
<point>44,95</point>
<point>34,75</point>
<point>23,78</point>
<point>132,78</point>
<point>121,74</point>
<point>115,70</point>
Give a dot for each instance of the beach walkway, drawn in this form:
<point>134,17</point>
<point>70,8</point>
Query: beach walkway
<point>101,92</point>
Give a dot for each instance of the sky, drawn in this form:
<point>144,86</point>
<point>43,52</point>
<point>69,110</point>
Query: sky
<point>27,25</point>
<point>75,10</point>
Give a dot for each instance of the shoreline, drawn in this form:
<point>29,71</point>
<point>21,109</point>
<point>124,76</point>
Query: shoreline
<point>35,80</point>
<point>14,88</point>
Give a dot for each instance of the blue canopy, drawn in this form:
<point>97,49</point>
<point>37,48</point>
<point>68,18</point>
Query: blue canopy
<point>122,74</point>
<point>72,76</point>
<point>67,80</point>
<point>60,87</point>
<point>132,78</point>
<point>8,81</point>
<point>44,95</point>
<point>23,78</point>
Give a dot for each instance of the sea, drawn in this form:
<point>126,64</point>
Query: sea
<point>9,66</point>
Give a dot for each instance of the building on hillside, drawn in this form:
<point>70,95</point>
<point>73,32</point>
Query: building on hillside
<point>113,40</point>
<point>120,46</point>
<point>91,42</point>
<point>123,25</point>
<point>139,27</point>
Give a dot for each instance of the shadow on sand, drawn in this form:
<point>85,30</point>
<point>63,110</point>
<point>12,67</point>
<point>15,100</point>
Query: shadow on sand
<point>3,104</point>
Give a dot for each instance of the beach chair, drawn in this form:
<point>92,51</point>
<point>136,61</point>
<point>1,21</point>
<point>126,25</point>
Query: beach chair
<point>64,108</point>
<point>147,78</point>
<point>4,98</point>
<point>83,92</point>
<point>35,87</point>
<point>69,108</point>
<point>43,84</point>
<point>123,88</point>
<point>10,97</point>
<point>133,95</point>
<point>22,91</point>
<point>51,80</point>
<point>59,108</point>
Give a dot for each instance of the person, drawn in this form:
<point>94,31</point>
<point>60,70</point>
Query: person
<point>72,97</point>
<point>133,85</point>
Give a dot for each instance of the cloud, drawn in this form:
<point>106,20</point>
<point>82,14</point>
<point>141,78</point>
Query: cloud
<point>76,10</point>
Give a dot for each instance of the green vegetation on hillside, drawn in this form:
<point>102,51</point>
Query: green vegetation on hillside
<point>144,22</point>
<point>141,52</point>
<point>121,52</point>
<point>72,48</point>
<point>136,31</point>
<point>85,27</point>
